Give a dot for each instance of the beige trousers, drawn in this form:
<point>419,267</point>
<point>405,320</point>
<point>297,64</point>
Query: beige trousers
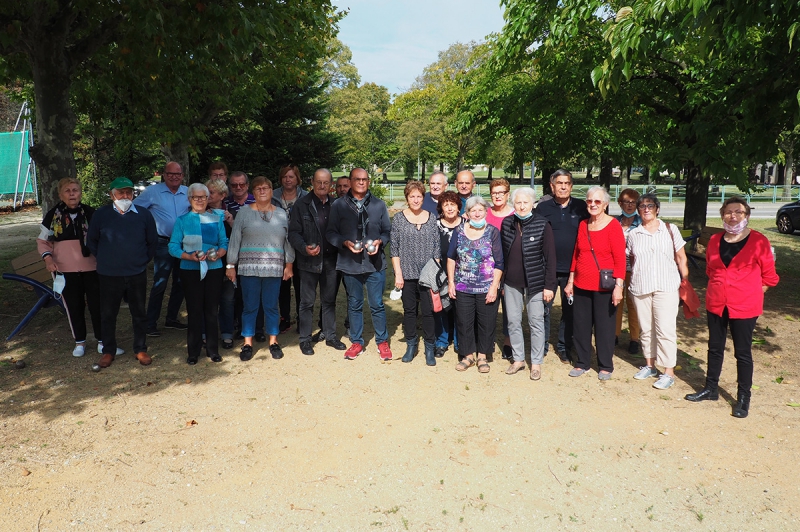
<point>658,314</point>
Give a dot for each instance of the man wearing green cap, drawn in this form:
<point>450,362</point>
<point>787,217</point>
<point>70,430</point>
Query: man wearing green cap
<point>123,239</point>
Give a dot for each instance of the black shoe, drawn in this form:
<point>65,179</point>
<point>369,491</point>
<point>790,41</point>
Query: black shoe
<point>317,337</point>
<point>430,354</point>
<point>175,324</point>
<point>742,406</point>
<point>439,352</point>
<point>191,361</point>
<point>616,340</point>
<point>227,343</point>
<point>247,353</point>
<point>238,335</point>
<point>633,348</point>
<point>411,349</point>
<point>155,333</point>
<point>285,325</point>
<point>216,358</point>
<point>563,357</point>
<point>305,348</point>
<point>261,337</point>
<point>336,344</point>
<point>706,394</point>
<point>508,353</point>
<point>276,351</point>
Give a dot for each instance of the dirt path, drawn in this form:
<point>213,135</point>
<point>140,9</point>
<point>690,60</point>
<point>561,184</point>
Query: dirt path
<point>321,443</point>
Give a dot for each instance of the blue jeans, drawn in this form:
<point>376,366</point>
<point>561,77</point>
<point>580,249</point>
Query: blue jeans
<point>375,283</point>
<point>164,264</point>
<point>445,326</point>
<point>260,291</point>
<point>226,309</point>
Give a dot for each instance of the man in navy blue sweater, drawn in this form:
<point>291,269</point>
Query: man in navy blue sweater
<point>124,240</point>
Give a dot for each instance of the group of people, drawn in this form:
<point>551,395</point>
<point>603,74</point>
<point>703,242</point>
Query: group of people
<point>235,247</point>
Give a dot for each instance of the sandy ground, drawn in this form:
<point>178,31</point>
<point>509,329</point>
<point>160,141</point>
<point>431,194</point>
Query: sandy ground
<point>321,443</point>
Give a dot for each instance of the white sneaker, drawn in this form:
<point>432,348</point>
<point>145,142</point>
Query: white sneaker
<point>79,351</point>
<point>100,349</point>
<point>664,382</point>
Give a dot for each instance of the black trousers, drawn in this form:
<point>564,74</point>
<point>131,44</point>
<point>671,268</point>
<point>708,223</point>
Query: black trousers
<point>202,306</point>
<point>82,289</point>
<point>594,308</point>
<point>565,326</point>
<point>328,281</point>
<point>285,297</point>
<point>413,292</point>
<point>111,290</point>
<point>742,334</point>
<point>475,323</point>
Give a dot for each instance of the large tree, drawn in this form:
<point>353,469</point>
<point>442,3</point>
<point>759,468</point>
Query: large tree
<point>167,67</point>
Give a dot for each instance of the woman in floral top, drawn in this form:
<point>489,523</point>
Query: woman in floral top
<point>474,270</point>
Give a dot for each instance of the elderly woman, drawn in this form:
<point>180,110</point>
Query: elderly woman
<point>500,193</point>
<point>286,196</point>
<point>654,249</point>
<point>62,245</point>
<point>740,268</point>
<point>260,247</point>
<point>474,271</point>
<point>529,255</point>
<point>199,241</point>
<point>415,239</point>
<point>629,220</point>
<point>217,192</point>
<point>596,277</point>
<point>449,208</point>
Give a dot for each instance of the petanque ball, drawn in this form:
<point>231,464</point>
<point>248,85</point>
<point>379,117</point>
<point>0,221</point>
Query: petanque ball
<point>95,367</point>
<point>20,364</point>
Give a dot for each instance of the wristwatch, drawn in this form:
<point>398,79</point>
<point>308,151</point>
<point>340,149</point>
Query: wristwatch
<point>230,266</point>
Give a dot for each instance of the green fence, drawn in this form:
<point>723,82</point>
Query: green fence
<point>14,161</point>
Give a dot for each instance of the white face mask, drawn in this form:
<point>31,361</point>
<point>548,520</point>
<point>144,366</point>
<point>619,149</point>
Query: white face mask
<point>123,205</point>
<point>59,283</point>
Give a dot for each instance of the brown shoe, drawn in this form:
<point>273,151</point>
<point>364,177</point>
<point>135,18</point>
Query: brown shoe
<point>143,358</point>
<point>106,360</point>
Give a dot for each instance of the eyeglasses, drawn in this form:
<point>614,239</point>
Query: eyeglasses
<point>647,207</point>
<point>594,202</point>
<point>238,185</point>
<point>198,198</point>
<point>219,175</point>
<point>628,202</point>
<point>500,193</point>
<point>173,174</point>
<point>262,189</point>
<point>735,213</point>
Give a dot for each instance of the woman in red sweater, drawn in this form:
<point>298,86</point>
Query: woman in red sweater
<point>600,246</point>
<point>740,268</point>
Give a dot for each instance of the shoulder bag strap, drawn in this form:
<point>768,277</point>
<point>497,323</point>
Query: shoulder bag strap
<point>588,235</point>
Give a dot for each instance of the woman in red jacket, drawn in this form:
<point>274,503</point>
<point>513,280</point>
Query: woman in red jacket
<point>600,246</point>
<point>740,269</point>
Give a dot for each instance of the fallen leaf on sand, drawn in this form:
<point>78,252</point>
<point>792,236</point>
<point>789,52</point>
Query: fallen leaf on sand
<point>795,405</point>
<point>188,380</point>
<point>25,472</point>
<point>190,423</point>
<point>360,435</point>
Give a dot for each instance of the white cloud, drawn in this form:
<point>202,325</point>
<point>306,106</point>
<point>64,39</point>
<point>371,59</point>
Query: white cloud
<point>393,40</point>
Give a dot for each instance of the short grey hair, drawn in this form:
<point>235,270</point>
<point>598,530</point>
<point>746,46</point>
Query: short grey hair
<point>525,191</point>
<point>598,188</point>
<point>476,200</point>
<point>439,172</point>
<point>197,187</point>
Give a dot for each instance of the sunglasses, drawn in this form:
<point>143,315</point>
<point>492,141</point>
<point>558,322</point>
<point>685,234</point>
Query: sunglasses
<point>647,207</point>
<point>594,202</point>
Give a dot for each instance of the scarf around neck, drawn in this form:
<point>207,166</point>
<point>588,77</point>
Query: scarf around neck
<point>65,228</point>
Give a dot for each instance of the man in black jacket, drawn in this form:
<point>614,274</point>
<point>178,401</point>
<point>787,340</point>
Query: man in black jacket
<point>316,257</point>
<point>564,213</point>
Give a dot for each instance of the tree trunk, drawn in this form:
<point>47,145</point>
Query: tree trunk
<point>646,175</point>
<point>179,153</point>
<point>546,173</point>
<point>789,173</point>
<point>606,172</point>
<point>53,149</point>
<point>624,176</point>
<point>694,211</point>
<point>489,177</point>
<point>441,166</point>
<point>522,172</point>
<point>589,174</point>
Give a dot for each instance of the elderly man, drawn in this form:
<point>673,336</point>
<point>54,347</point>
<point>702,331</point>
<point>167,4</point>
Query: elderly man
<point>124,239</point>
<point>437,183</point>
<point>238,184</point>
<point>342,186</point>
<point>316,257</point>
<point>359,227</point>
<point>465,182</point>
<point>165,201</point>
<point>564,213</point>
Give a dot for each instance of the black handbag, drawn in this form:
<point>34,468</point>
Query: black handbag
<point>607,281</point>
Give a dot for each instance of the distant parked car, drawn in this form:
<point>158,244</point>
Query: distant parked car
<point>788,218</point>
<point>139,187</point>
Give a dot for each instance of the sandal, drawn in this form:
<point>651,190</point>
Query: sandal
<point>536,374</point>
<point>515,367</point>
<point>466,363</point>
<point>483,366</point>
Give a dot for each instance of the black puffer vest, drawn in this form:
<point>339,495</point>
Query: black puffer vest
<point>532,247</point>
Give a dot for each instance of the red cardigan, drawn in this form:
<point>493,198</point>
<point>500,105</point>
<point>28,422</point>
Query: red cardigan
<point>609,246</point>
<point>739,286</point>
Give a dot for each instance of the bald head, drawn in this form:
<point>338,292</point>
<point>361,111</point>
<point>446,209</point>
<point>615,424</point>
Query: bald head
<point>465,182</point>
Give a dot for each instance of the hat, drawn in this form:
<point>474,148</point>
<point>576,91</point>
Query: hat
<point>120,182</point>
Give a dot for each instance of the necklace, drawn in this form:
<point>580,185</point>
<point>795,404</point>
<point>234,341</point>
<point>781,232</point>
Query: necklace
<point>266,215</point>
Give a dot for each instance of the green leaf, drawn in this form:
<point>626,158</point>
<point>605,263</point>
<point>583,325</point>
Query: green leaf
<point>779,380</point>
<point>791,32</point>
<point>794,405</point>
<point>597,74</point>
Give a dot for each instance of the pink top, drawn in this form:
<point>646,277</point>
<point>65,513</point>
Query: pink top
<point>67,255</point>
<point>495,220</point>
